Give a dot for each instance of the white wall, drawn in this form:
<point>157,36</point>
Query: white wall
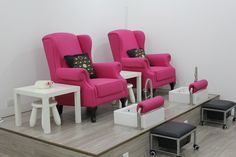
<point>195,32</point>
<point>24,23</point>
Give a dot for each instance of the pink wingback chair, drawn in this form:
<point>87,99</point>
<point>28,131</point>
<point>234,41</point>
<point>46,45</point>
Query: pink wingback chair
<point>156,67</point>
<point>106,87</point>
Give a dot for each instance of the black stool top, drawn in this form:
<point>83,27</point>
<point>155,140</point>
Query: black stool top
<point>219,105</point>
<point>173,129</point>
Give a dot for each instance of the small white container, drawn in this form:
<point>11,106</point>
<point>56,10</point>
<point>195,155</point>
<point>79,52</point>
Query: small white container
<point>182,95</point>
<point>128,116</point>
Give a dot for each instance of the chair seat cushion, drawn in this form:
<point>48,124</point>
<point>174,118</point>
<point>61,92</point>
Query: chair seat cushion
<point>105,87</point>
<point>219,105</point>
<point>173,129</point>
<point>162,72</point>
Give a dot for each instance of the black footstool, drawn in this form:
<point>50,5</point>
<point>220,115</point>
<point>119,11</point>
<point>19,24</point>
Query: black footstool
<point>217,111</point>
<point>171,136</point>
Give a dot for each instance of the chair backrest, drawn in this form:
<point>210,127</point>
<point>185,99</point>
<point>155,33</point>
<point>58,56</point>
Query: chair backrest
<point>57,45</point>
<point>122,40</point>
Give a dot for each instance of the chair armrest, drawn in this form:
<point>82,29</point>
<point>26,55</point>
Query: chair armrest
<point>72,74</point>
<point>159,59</point>
<point>107,69</point>
<point>140,63</point>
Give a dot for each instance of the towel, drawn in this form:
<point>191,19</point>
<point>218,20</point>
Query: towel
<point>150,104</point>
<point>196,86</point>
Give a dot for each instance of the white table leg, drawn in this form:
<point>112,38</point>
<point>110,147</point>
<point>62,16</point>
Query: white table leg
<point>18,116</point>
<point>46,116</point>
<point>139,88</point>
<point>77,107</point>
<point>56,115</point>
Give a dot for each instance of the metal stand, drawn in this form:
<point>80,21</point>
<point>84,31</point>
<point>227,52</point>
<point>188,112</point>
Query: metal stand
<point>191,97</point>
<point>146,96</point>
<point>196,74</point>
<point>153,152</point>
<point>224,121</point>
<point>139,119</point>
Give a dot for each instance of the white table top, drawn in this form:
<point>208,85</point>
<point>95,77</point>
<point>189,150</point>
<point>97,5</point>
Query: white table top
<point>130,74</point>
<point>55,90</point>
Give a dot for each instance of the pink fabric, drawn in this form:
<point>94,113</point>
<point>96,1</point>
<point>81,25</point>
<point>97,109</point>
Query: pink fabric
<point>140,37</point>
<point>102,72</point>
<point>93,93</point>
<point>135,62</point>
<point>160,72</point>
<point>127,42</point>
<point>105,87</point>
<point>73,74</point>
<point>196,86</point>
<point>159,59</point>
<point>150,104</point>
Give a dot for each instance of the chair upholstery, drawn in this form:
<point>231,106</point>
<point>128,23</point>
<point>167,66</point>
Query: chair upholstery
<point>108,85</point>
<point>156,67</point>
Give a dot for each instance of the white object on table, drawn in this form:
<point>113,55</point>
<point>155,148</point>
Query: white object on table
<point>45,95</point>
<point>133,74</point>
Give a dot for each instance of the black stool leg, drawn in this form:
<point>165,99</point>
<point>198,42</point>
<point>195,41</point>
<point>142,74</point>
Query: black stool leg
<point>172,85</point>
<point>123,101</point>
<point>92,112</point>
<point>60,109</point>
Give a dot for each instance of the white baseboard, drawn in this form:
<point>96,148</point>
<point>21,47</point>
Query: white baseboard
<point>8,111</point>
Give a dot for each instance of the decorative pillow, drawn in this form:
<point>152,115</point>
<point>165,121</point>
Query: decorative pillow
<point>80,61</point>
<point>136,53</point>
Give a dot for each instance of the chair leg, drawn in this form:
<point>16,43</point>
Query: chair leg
<point>92,112</point>
<point>123,102</point>
<point>154,91</point>
<point>33,117</point>
<point>60,109</point>
<point>172,85</point>
<point>56,115</point>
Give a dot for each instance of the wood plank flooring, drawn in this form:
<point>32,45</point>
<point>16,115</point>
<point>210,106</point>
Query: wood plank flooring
<point>94,139</point>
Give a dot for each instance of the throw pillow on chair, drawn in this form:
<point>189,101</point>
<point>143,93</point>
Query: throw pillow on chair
<point>80,61</point>
<point>136,53</point>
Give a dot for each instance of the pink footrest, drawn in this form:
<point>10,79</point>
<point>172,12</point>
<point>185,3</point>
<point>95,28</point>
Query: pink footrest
<point>150,104</point>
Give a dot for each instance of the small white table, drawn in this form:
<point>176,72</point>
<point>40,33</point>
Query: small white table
<point>133,74</point>
<point>45,95</point>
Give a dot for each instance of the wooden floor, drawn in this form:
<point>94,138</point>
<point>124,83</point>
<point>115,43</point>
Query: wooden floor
<point>95,139</point>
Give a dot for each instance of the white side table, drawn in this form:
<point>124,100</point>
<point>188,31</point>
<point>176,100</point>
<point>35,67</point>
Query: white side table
<point>133,74</point>
<point>45,95</point>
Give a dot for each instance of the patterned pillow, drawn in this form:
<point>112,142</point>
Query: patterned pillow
<point>80,61</point>
<point>136,53</point>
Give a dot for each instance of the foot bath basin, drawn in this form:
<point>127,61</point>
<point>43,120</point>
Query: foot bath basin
<point>182,95</point>
<point>128,116</point>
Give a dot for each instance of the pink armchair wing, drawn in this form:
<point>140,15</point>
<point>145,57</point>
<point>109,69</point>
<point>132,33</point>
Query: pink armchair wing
<point>156,67</point>
<point>106,87</point>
